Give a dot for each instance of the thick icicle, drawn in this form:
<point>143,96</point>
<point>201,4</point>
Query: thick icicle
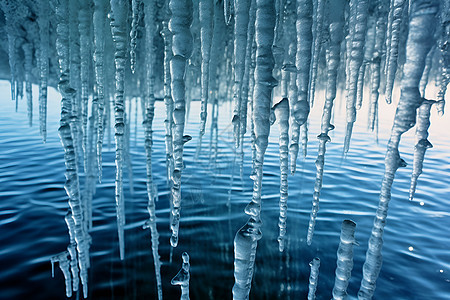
<point>119,17</point>
<point>318,33</point>
<point>179,24</point>
<point>99,18</point>
<point>335,36</point>
<point>393,29</point>
<point>300,106</point>
<point>313,278</point>
<point>135,18</point>
<point>282,117</point>
<point>150,30</point>
<point>245,241</point>
<point>44,44</point>
<point>344,259</point>
<point>421,30</point>
<point>66,135</point>
<point>206,10</point>
<point>182,278</point>
<point>355,56</point>
<point>240,43</point>
<point>422,143</point>
<point>380,31</point>
<point>63,261</point>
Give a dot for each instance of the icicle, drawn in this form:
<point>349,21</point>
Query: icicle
<point>368,51</point>
<point>318,32</point>
<point>63,261</point>
<point>245,241</point>
<point>422,21</point>
<point>380,32</point>
<point>28,66</point>
<point>422,143</point>
<point>182,278</point>
<point>135,7</point>
<point>313,278</point>
<point>66,133</point>
<point>393,29</point>
<point>344,259</point>
<point>300,106</point>
<point>206,23</point>
<point>168,101</point>
<point>99,18</point>
<point>444,60</point>
<point>118,29</point>
<point>282,117</point>
<point>44,43</point>
<point>240,43</point>
<point>84,20</point>
<point>355,56</point>
<point>150,30</point>
<point>71,248</point>
<point>179,24</point>
<point>127,154</point>
<point>335,35</point>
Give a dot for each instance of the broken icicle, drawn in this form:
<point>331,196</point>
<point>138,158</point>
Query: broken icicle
<point>335,33</point>
<point>394,22</point>
<point>245,241</point>
<point>282,117</point>
<point>240,44</point>
<point>119,16</point>
<point>344,259</point>
<point>98,20</point>
<point>355,55</point>
<point>313,278</point>
<point>179,24</point>
<point>182,278</point>
<point>422,143</point>
<point>65,133</point>
<point>421,30</point>
<point>63,261</point>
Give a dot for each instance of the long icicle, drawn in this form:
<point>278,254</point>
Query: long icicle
<point>179,24</point>
<point>318,36</point>
<point>444,59</point>
<point>66,135</point>
<point>44,43</point>
<point>335,32</point>
<point>135,8</point>
<point>119,17</point>
<point>150,30</point>
<point>355,56</point>
<point>246,239</point>
<point>99,18</point>
<point>28,66</point>
<point>422,21</point>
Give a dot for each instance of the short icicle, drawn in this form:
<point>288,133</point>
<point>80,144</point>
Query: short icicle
<point>313,278</point>
<point>335,32</point>
<point>344,260</point>
<point>179,24</point>
<point>119,15</point>
<point>246,239</point>
<point>182,278</point>
<point>421,30</point>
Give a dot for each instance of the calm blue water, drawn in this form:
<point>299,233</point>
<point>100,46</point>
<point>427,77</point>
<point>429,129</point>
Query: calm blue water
<point>33,204</point>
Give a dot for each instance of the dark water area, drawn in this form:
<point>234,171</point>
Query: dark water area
<point>33,203</point>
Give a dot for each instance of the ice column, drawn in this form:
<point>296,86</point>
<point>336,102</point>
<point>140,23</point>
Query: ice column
<point>421,30</point>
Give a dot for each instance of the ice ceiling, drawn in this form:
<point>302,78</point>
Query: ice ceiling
<point>95,51</point>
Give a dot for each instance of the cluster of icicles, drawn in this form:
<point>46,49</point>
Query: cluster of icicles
<point>111,52</point>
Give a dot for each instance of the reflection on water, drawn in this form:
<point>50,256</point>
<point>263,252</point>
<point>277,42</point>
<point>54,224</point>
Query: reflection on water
<point>33,205</point>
